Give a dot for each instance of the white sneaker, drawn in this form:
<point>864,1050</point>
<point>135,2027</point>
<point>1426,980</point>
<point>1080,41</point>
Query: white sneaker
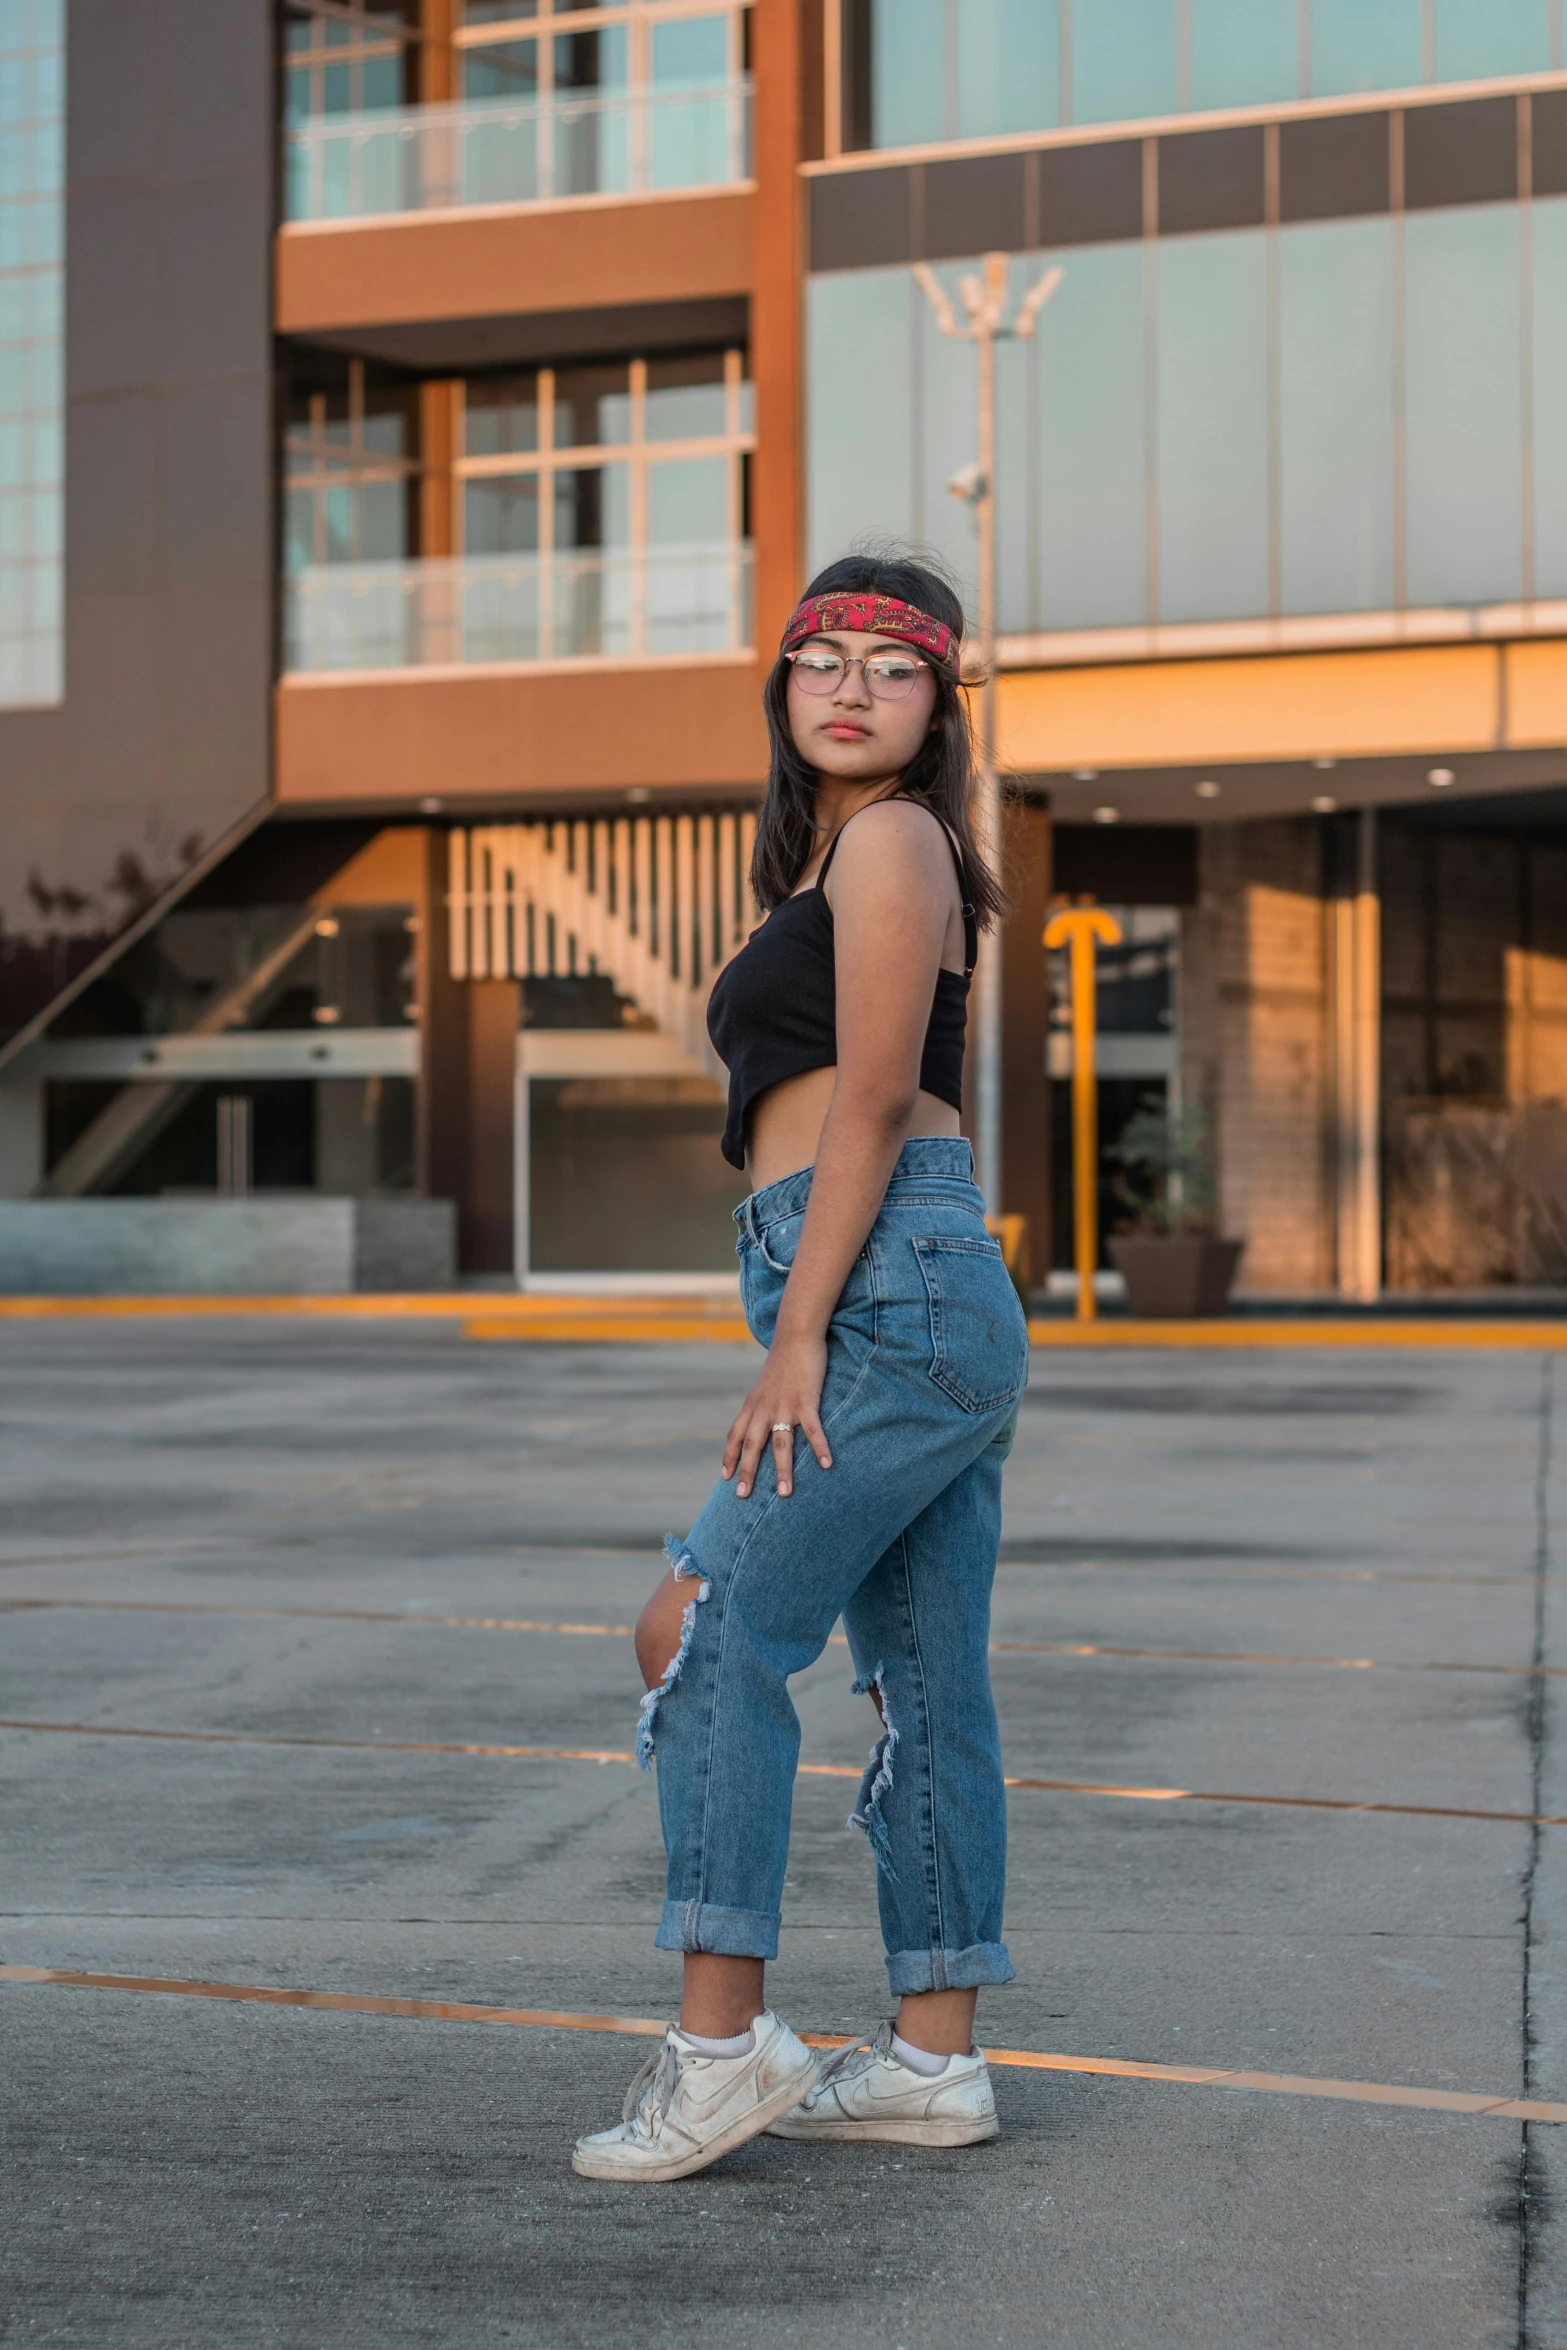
<point>866,2091</point>
<point>685,2109</point>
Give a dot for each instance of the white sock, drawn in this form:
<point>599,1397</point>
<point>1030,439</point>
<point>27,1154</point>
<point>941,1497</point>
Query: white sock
<point>918,2060</point>
<point>741,2044</point>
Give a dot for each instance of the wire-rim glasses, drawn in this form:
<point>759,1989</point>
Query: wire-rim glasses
<point>889,677</point>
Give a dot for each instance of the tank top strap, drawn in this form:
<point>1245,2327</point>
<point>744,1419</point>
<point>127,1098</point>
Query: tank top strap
<point>970,917</point>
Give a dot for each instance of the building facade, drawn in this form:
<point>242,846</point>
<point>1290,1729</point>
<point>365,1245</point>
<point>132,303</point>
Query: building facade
<point>420,419</point>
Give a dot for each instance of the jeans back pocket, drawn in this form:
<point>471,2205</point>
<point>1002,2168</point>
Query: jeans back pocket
<point>978,1337</point>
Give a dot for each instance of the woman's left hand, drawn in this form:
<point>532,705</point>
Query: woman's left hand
<point>786,1394</point>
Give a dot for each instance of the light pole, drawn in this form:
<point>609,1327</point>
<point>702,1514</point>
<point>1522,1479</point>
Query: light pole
<point>985,306</point>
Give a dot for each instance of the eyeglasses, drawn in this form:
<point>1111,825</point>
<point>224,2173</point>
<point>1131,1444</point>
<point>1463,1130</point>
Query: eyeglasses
<point>889,677</point>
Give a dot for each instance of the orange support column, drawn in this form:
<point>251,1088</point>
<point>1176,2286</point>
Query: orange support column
<point>786,54</point>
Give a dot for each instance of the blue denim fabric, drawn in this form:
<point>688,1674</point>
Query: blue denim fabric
<point>927,1355</point>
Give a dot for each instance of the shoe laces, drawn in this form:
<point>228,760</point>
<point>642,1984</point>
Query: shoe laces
<point>652,2091</point>
<point>845,2064</point>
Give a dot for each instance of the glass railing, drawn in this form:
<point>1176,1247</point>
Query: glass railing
<point>597,606</point>
<point>491,151</point>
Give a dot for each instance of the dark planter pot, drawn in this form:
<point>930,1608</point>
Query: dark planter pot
<point>1175,1273</point>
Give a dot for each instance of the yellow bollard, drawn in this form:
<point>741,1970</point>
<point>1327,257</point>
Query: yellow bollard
<point>1078,927</point>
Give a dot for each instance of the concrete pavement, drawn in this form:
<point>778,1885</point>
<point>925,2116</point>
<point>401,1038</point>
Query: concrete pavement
<point>181,2171</point>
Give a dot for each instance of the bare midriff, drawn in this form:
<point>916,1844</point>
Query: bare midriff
<point>786,1124</point>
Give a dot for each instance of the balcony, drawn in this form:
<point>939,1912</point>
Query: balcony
<point>598,606</point>
<point>493,152</point>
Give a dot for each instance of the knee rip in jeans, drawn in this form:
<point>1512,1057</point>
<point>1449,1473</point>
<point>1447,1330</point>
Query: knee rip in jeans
<point>877,1783</point>
<point>686,1569</point>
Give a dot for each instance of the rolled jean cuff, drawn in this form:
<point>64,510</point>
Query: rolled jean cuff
<point>948,1970</point>
<point>727,1933</point>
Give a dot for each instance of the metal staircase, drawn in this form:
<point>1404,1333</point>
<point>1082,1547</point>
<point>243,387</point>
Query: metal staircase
<point>656,903</point>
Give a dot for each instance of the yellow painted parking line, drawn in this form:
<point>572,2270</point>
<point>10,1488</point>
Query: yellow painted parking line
<point>604,1319</point>
<point>595,1754</point>
<point>1306,1331</point>
<point>605,1329</point>
<point>653,2028</point>
<point>406,1617</point>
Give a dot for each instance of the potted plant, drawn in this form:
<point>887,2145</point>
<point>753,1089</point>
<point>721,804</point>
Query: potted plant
<point>1170,1256</point>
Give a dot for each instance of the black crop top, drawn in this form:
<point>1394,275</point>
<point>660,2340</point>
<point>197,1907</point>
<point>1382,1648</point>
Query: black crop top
<point>773,1010</point>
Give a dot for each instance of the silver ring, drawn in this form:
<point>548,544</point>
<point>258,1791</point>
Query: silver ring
<point>783,1427</point>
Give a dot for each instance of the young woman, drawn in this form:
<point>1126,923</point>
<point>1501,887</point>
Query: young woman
<point>862,1475</point>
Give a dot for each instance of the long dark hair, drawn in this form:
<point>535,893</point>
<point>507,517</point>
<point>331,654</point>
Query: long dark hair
<point>940,775</point>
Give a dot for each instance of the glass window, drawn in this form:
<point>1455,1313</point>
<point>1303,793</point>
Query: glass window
<point>1213,426</point>
<point>690,52</point>
<point>592,407</point>
<point>860,339</point>
<point>501,415</point>
<point>1244,52</point>
<point>592,506</point>
<point>1550,397</point>
<point>1479,38</point>
<point>688,502</point>
<point>908,80</point>
<point>1364,45</point>
<point>1123,59</point>
<point>32,359</point>
<point>502,69</point>
<point>501,515</point>
<point>350,61</point>
<point>1336,314</point>
<point>695,133</point>
<point>591,61</point>
<point>685,398</point>
<point>349,469</point>
<point>1464,429</point>
<point>1086,561</point>
<point>1009,66</point>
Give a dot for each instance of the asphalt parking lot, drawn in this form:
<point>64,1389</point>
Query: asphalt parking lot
<point>269,1590</point>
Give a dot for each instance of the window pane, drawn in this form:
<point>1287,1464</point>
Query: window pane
<point>1123,59</point>
<point>381,82</point>
<point>592,507</point>
<point>497,11</point>
<point>1009,66</point>
<point>1213,427</point>
<point>383,522</point>
<point>1364,45</point>
<point>591,61</point>
<point>685,398</point>
<point>592,407</point>
<point>1085,562</point>
<point>591,144</point>
<point>1475,38</point>
<point>501,69</point>
<point>908,44</point>
<point>859,340</point>
<point>501,517</point>
<point>1244,52</point>
<point>688,502</point>
<point>1336,415</point>
<point>299,529</point>
<point>1550,397</point>
<point>691,53</point>
<point>697,140</point>
<point>501,415</point>
<point>1464,431</point>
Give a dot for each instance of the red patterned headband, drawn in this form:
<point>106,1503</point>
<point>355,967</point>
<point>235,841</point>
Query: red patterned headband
<point>872,615</point>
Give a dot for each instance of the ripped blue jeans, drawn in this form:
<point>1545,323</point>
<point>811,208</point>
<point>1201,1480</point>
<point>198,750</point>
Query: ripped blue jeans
<point>927,1356</point>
